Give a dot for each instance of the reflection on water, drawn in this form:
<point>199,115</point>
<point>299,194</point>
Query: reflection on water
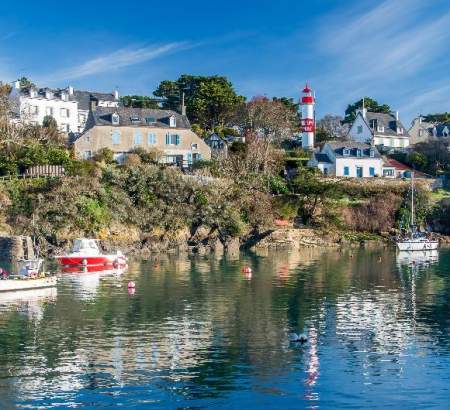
<point>200,332</point>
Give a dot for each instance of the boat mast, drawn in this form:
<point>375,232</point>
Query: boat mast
<point>412,198</point>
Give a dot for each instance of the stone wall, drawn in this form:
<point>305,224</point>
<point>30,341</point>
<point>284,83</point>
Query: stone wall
<point>13,248</point>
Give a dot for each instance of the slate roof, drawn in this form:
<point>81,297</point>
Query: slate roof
<point>103,116</point>
<point>84,98</point>
<point>353,146</point>
<point>320,157</point>
<point>387,121</point>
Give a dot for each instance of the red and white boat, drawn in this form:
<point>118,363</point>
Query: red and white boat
<point>85,252</point>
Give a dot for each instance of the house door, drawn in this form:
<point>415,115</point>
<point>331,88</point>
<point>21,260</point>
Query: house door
<point>359,172</point>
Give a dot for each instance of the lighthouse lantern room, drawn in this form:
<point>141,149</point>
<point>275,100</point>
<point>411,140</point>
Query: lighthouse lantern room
<point>307,118</point>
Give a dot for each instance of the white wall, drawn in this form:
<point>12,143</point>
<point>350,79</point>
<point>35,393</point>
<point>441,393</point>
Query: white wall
<point>365,163</point>
<point>28,106</point>
<point>366,134</point>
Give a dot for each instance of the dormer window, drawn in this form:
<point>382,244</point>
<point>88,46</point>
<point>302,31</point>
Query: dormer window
<point>373,124</point>
<point>48,95</point>
<point>172,121</point>
<point>115,119</point>
<point>399,130</point>
<point>135,120</point>
<point>33,93</point>
<point>358,153</point>
<point>150,120</point>
<point>64,96</point>
<point>380,128</point>
<point>372,153</point>
<point>346,152</point>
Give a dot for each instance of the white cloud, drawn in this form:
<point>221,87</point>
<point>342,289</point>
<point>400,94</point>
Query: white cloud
<point>388,51</point>
<point>118,59</point>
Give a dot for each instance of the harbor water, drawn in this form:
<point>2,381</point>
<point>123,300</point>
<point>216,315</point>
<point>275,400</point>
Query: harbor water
<point>198,332</point>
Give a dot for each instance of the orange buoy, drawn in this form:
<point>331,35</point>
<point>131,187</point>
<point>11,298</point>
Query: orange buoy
<point>246,269</point>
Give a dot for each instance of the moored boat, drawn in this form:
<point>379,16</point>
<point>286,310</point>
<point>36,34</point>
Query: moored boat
<point>414,240</point>
<point>85,252</point>
<point>30,276</point>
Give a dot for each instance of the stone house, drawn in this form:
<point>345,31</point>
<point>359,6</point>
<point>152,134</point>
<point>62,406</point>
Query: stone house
<point>219,145</point>
<point>380,129</point>
<point>422,131</point>
<point>124,129</point>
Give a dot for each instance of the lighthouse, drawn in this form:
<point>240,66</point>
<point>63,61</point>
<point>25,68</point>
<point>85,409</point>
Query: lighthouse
<point>308,126</point>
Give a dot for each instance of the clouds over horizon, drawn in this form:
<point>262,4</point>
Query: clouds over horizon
<point>379,50</point>
<point>115,60</point>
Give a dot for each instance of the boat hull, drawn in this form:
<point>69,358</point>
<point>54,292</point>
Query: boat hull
<point>417,245</point>
<point>100,260</point>
<point>8,285</point>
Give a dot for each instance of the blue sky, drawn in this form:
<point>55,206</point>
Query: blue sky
<point>397,51</point>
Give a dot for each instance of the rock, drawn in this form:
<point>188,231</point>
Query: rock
<point>232,245</point>
<point>200,234</point>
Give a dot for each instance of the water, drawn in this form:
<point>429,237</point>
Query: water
<point>199,333</point>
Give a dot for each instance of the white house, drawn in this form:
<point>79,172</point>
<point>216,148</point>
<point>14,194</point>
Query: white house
<point>379,129</point>
<point>348,159</point>
<point>32,105</point>
<point>69,107</point>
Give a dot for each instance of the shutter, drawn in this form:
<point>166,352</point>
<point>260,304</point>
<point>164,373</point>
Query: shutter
<point>167,139</point>
<point>189,158</point>
<point>177,139</point>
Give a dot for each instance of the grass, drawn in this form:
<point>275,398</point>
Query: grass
<point>439,194</point>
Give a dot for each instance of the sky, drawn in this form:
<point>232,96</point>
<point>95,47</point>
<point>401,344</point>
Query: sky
<point>396,51</point>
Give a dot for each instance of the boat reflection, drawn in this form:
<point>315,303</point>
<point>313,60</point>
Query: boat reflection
<point>86,280</point>
<point>417,258</point>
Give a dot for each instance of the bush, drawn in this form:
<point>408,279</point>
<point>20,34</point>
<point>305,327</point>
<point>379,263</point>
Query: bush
<point>104,155</point>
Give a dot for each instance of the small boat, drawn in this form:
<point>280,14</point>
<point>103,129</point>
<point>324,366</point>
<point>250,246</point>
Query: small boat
<point>85,252</point>
<point>415,240</point>
<point>30,276</point>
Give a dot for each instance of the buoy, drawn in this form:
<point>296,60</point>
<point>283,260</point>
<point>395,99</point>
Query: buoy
<point>131,285</point>
<point>131,291</point>
<point>84,262</point>
<point>379,259</point>
<point>246,269</point>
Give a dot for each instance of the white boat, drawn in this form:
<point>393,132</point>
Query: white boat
<point>414,240</point>
<point>29,276</point>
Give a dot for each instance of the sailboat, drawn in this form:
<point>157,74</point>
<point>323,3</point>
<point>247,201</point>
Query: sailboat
<point>415,240</point>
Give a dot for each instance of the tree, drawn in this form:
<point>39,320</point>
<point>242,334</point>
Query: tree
<point>332,126</point>
<point>313,196</point>
<point>438,117</point>
<point>25,82</point>
<point>289,103</point>
<point>139,101</point>
<point>210,101</point>
<point>436,154</point>
<point>49,122</point>
<point>369,103</point>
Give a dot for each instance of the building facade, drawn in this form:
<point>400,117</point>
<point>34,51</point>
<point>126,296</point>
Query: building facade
<point>380,129</point>
<point>67,106</point>
<point>423,131</point>
<point>348,159</point>
<point>124,129</point>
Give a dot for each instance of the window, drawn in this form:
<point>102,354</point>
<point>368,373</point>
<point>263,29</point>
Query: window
<point>81,118</point>
<point>388,172</point>
<point>33,109</point>
<point>64,112</point>
<point>380,128</point>
<point>150,120</point>
<point>172,121</point>
<point>359,172</point>
<point>373,124</point>
<point>359,129</point>
<point>194,146</point>
<point>115,137</point>
<point>151,138</point>
<point>173,139</point>
<point>189,158</point>
<point>372,152</point>
<point>87,154</point>
<point>372,171</point>
<point>346,171</point>
<point>137,139</point>
<point>346,151</point>
<point>358,152</point>
<point>64,128</point>
<point>135,120</point>
<point>399,130</point>
<point>49,111</point>
<point>115,119</point>
<point>421,132</point>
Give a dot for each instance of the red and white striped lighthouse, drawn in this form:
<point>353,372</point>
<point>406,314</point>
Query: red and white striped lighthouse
<point>308,123</point>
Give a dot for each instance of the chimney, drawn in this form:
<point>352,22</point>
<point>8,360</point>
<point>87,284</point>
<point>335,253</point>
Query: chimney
<point>116,94</point>
<point>92,105</point>
<point>183,106</point>
<point>396,115</point>
<point>70,88</point>
<point>17,85</point>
